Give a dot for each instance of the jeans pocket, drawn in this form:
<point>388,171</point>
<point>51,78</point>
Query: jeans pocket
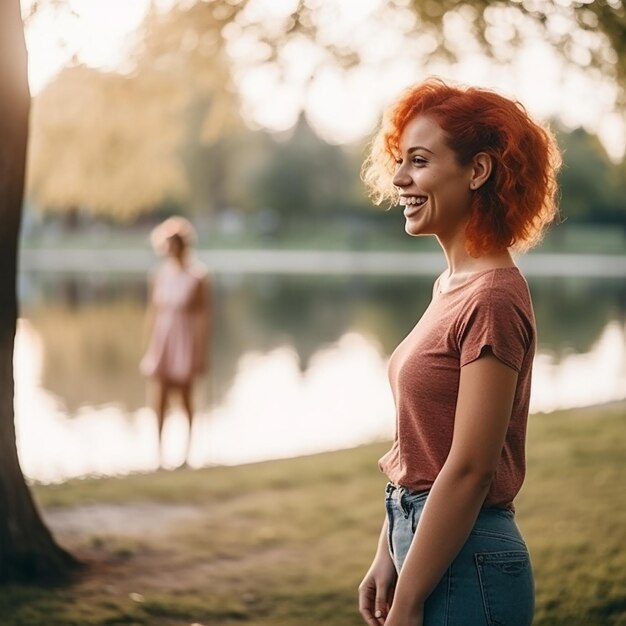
<point>507,587</point>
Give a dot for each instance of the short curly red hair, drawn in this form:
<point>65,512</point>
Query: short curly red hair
<point>518,201</point>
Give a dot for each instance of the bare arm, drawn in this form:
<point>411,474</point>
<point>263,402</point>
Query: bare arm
<point>485,401</point>
<point>203,316</point>
<point>376,589</point>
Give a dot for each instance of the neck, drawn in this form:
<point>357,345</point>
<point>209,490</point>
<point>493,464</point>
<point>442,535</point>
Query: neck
<point>178,260</point>
<point>460,261</point>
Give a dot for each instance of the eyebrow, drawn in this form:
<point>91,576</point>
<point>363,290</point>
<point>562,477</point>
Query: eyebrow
<point>415,148</point>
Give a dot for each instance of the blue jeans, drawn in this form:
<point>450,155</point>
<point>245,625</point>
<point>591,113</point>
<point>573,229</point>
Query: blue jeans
<point>489,583</point>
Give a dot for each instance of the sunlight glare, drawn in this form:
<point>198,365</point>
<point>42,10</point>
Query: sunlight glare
<point>342,105</point>
<point>335,105</point>
<point>98,33</point>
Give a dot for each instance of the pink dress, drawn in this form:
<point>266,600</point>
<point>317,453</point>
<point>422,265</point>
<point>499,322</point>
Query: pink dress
<point>178,345</point>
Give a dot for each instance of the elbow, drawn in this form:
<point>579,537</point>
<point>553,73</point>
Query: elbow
<point>484,479</point>
<point>476,476</point>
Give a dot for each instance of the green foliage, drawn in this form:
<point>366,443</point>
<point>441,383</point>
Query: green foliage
<point>588,34</point>
<point>170,132</point>
<point>303,176</point>
<point>110,142</point>
<point>106,142</point>
<point>593,188</point>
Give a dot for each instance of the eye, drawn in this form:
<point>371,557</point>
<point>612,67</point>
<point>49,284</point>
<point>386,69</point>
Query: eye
<point>398,160</point>
<point>419,161</point>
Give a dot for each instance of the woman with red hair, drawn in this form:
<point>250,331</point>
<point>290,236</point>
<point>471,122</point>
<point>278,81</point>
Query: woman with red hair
<point>472,168</point>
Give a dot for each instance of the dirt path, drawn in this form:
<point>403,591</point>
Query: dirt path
<point>126,547</point>
<point>143,548</point>
<point>137,518</point>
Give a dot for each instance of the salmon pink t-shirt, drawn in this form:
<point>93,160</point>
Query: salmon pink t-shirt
<point>491,309</point>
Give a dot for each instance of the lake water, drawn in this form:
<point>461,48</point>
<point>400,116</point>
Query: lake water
<point>298,365</point>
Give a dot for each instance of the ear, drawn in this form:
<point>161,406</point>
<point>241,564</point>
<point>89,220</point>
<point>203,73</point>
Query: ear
<point>481,170</point>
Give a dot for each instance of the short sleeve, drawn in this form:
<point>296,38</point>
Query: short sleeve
<point>497,319</point>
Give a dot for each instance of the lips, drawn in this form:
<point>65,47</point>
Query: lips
<point>412,205</point>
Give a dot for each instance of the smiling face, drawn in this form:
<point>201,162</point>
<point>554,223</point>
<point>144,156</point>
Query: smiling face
<point>434,188</point>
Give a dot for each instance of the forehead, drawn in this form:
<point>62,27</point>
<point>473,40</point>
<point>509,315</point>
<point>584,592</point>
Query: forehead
<point>422,131</point>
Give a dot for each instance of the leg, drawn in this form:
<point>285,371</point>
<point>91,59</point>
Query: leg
<point>161,396</point>
<point>186,392</point>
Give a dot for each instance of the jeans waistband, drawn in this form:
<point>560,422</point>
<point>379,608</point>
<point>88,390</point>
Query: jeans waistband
<point>406,499</point>
<point>391,488</point>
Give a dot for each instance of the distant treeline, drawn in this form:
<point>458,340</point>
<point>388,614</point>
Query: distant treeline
<point>256,184</point>
<point>294,181</point>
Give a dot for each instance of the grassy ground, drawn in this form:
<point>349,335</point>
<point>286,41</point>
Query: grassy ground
<point>285,543</point>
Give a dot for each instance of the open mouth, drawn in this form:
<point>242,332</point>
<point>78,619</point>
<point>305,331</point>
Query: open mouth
<point>412,200</point>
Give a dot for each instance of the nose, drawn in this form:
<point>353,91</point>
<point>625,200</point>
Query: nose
<point>401,178</point>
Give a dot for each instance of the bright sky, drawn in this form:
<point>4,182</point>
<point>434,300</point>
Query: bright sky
<point>342,106</point>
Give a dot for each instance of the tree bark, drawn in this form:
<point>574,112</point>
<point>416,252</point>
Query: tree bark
<point>28,552</point>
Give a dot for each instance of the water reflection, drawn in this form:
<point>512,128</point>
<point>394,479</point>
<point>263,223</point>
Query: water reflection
<point>298,366</point>
<point>272,410</point>
<point>595,377</point>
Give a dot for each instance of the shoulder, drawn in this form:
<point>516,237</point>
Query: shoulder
<point>501,286</point>
<point>497,312</point>
<point>499,298</point>
<point>198,270</point>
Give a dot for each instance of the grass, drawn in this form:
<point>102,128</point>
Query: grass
<point>285,543</point>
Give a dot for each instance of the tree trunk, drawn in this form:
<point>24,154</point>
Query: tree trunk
<point>28,551</point>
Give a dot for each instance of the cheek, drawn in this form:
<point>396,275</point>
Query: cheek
<point>426,180</point>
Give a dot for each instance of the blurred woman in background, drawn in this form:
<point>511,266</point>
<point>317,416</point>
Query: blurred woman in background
<point>179,319</point>
<point>471,168</point>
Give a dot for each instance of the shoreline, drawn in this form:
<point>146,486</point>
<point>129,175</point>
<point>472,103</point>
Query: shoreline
<point>617,406</point>
<point>331,262</point>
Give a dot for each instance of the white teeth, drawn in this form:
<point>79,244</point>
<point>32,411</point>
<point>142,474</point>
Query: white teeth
<point>411,200</point>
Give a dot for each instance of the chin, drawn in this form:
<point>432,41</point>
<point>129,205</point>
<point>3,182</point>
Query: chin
<point>414,232</point>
